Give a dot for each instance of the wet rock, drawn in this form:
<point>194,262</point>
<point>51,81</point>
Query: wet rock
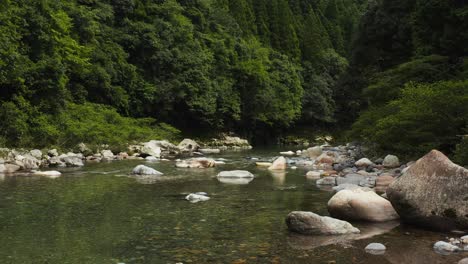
<point>313,175</point>
<point>210,151</point>
<point>279,164</point>
<point>235,174</point>
<point>330,181</point>
<point>151,159</point>
<point>308,223</point>
<point>364,162</point>
<point>444,247</point>
<point>49,174</point>
<point>287,153</point>
<point>368,230</point>
<point>361,205</point>
<point>188,145</point>
<point>199,163</point>
<point>375,249</point>
<point>432,193</point>
<point>263,164</point>
<point>197,197</point>
<point>144,170</point>
<point>235,181</point>
<point>391,161</point>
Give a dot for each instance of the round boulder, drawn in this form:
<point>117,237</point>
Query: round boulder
<point>361,205</point>
<point>391,161</point>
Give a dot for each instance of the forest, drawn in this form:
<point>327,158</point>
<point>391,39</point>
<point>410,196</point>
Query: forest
<point>389,73</point>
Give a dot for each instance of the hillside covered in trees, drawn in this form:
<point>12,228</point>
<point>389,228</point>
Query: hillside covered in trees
<point>237,65</point>
<point>113,71</point>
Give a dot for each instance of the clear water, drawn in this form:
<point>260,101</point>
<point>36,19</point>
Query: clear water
<point>97,214</point>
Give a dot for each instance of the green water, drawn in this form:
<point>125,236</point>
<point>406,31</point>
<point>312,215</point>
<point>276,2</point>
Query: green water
<point>97,214</point>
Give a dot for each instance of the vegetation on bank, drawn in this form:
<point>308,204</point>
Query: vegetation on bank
<point>233,65</point>
<point>393,72</point>
<point>406,90</point>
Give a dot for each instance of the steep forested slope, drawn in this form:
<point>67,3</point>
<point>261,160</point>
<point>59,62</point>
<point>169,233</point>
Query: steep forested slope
<point>408,77</point>
<point>242,65</point>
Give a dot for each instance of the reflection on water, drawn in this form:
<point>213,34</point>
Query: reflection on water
<point>91,215</point>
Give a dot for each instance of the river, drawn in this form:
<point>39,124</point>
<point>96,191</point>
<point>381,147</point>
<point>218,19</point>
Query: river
<point>97,214</point>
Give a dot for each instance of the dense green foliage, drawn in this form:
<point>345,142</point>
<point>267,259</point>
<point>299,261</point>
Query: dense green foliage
<point>238,65</point>
<point>406,84</point>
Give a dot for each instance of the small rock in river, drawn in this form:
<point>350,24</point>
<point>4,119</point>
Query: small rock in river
<point>197,197</point>
<point>445,248</point>
<point>375,249</point>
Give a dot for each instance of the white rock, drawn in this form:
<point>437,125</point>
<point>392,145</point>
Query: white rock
<point>361,205</point>
<point>263,164</point>
<point>314,152</point>
<point>36,153</point>
<point>364,162</point>
<point>197,197</point>
<point>49,174</point>
<point>391,161</point>
<point>279,164</point>
<point>188,145</point>
<point>151,158</point>
<point>107,154</point>
<point>375,249</point>
<point>287,153</point>
<point>144,170</point>
<point>53,153</point>
<point>235,174</point>
<point>444,247</point>
<point>313,175</point>
<point>210,151</point>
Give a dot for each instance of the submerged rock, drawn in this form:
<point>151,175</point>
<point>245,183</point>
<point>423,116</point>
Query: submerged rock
<point>49,174</point>
<point>200,163</point>
<point>279,164</point>
<point>145,170</point>
<point>197,197</point>
<point>361,205</point>
<point>432,193</point>
<point>308,223</point>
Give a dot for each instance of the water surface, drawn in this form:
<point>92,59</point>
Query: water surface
<point>97,214</point>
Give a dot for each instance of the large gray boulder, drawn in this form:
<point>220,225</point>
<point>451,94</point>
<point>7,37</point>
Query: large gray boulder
<point>308,223</point>
<point>158,148</point>
<point>432,193</point>
<point>361,205</point>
